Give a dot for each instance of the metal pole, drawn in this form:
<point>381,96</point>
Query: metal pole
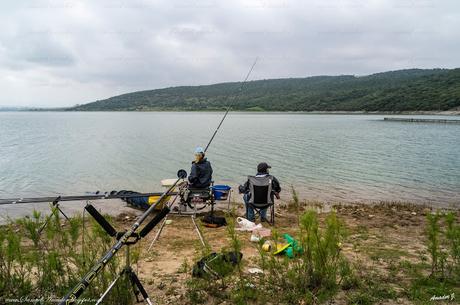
<point>76,292</point>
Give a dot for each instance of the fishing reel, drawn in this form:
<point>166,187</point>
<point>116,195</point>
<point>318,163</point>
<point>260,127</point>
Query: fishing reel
<point>181,174</point>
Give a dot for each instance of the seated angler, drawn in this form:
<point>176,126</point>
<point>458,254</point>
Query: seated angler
<point>273,188</point>
<point>201,173</point>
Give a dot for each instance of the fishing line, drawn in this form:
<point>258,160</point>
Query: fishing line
<point>85,282</point>
<point>235,97</point>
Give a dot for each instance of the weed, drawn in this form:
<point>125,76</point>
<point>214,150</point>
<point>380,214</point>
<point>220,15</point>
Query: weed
<point>318,270</point>
<point>36,263</point>
<point>433,241</point>
<point>443,244</point>
<point>295,203</point>
<point>453,244</point>
<point>184,267</point>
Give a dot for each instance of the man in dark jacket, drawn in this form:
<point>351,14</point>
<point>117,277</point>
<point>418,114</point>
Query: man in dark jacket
<point>262,170</point>
<point>201,172</point>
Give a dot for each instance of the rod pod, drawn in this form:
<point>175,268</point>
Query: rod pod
<point>77,291</point>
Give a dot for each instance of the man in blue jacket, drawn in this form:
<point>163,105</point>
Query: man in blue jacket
<point>201,172</point>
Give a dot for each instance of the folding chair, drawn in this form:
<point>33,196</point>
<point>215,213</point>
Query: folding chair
<point>261,198</point>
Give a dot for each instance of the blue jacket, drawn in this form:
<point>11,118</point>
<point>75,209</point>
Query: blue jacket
<point>200,174</point>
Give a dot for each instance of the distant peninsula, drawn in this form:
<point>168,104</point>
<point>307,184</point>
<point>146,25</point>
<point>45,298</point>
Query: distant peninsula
<point>412,90</point>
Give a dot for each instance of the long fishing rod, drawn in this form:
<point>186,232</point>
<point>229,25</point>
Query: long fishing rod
<point>110,196</point>
<point>76,292</point>
<point>235,97</point>
<point>116,195</point>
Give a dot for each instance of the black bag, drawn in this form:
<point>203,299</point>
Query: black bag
<point>213,221</point>
<point>216,265</point>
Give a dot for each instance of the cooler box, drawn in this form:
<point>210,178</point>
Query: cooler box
<point>221,192</point>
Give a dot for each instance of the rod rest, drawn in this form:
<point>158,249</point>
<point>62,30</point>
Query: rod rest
<point>101,220</point>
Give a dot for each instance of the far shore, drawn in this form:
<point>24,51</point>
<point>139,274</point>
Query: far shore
<point>454,112</point>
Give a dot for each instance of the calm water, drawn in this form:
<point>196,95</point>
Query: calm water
<point>327,157</point>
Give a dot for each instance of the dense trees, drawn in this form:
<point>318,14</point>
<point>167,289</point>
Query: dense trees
<point>403,90</point>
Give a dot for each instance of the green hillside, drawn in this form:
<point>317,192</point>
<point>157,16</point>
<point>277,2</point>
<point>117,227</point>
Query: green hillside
<point>394,91</point>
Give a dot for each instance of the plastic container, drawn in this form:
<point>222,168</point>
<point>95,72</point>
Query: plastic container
<point>221,192</point>
<point>255,238</point>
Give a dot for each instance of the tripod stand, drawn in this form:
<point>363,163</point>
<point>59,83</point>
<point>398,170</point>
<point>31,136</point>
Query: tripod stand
<point>182,207</point>
<point>127,270</point>
<point>133,279</point>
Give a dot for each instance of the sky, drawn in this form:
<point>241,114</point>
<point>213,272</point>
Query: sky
<point>58,53</point>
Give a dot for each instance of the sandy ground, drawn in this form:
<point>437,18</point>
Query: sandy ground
<point>377,235</point>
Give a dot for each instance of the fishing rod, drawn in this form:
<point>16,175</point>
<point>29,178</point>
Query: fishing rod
<point>235,97</point>
<point>77,291</point>
<point>96,196</point>
<point>111,196</point>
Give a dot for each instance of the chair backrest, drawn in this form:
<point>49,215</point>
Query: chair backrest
<point>260,188</point>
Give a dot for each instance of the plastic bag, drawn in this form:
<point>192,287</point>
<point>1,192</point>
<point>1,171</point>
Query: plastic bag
<point>246,225</point>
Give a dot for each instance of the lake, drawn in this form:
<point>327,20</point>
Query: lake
<point>325,157</point>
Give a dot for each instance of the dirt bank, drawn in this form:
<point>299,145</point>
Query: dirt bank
<point>379,236</point>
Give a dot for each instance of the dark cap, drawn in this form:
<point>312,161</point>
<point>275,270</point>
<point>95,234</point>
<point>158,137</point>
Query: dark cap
<point>262,167</point>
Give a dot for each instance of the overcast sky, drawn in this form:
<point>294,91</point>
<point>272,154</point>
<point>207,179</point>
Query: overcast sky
<point>60,53</point>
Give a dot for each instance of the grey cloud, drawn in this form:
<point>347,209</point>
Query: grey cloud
<point>86,50</point>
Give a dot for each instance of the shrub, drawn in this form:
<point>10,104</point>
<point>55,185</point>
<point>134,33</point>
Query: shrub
<point>316,273</point>
<point>443,243</point>
<point>45,264</point>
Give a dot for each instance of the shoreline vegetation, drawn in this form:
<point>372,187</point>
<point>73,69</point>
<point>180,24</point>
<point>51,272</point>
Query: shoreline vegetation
<point>452,112</point>
<point>384,253</point>
<point>412,91</point>
<point>393,91</point>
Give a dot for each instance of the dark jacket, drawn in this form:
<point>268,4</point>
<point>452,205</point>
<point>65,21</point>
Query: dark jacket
<point>200,174</point>
<point>276,188</point>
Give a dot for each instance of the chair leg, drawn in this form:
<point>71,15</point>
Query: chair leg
<point>256,214</point>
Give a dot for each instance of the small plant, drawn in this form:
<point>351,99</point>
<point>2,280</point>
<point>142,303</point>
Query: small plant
<point>316,273</point>
<point>444,245</point>
<point>295,203</point>
<point>41,257</point>
<point>196,290</point>
<point>433,241</point>
<point>453,243</point>
<point>184,267</point>
<point>443,242</point>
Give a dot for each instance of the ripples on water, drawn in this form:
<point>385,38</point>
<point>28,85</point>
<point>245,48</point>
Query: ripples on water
<point>326,157</point>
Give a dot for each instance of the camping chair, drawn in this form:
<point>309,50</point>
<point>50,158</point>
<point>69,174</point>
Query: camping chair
<point>260,188</point>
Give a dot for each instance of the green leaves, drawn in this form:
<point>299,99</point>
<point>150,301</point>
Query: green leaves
<point>443,244</point>
<point>45,265</point>
<point>394,91</point>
